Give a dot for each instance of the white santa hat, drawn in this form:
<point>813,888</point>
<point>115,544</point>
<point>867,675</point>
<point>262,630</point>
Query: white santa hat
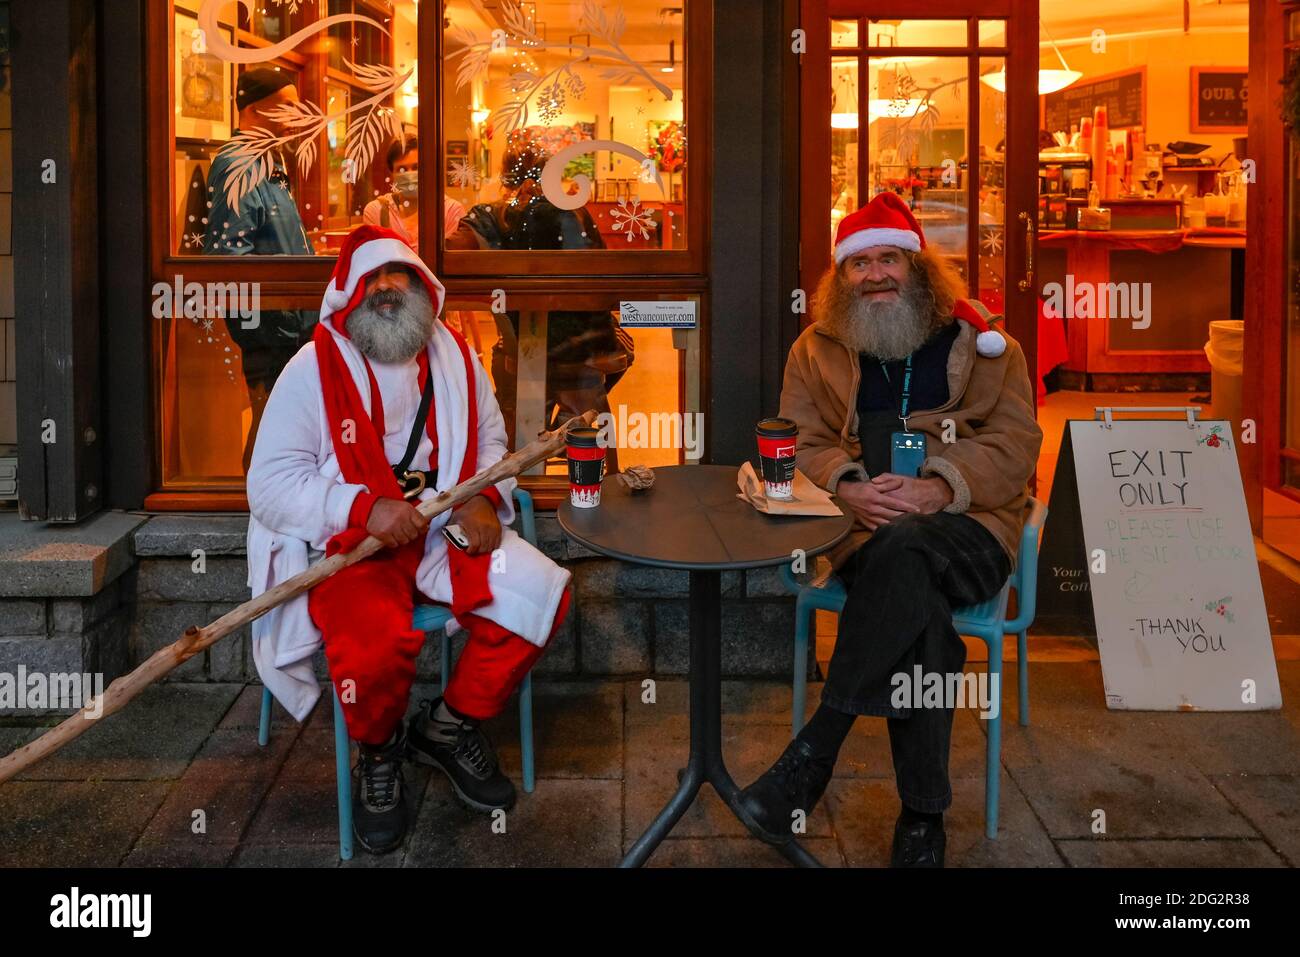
<point>365,250</point>
<point>888,221</point>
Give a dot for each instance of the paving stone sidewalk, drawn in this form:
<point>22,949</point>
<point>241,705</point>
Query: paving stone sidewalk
<point>1197,790</point>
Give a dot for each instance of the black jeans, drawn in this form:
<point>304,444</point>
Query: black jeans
<point>902,587</point>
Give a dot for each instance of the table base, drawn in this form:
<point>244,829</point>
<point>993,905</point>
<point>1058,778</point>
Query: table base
<point>705,763</point>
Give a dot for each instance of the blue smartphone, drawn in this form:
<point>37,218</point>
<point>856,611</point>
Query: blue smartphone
<point>906,453</point>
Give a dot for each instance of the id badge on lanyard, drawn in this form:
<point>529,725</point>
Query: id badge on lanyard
<point>906,448</point>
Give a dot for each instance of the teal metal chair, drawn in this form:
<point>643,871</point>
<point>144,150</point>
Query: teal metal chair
<point>426,618</point>
<point>986,621</point>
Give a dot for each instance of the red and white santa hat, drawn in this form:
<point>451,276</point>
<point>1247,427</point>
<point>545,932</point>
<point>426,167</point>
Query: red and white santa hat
<point>885,221</point>
<point>365,250</point>
<point>988,342</point>
<point>888,221</point>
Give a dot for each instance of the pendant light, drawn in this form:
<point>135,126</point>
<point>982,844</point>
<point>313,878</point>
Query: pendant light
<point>1049,81</point>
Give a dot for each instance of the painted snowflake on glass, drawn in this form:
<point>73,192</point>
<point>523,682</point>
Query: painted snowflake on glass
<point>628,215</point>
<point>464,174</point>
<point>991,241</point>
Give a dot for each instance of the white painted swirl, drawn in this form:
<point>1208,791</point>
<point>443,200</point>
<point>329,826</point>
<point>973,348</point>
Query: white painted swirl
<point>553,171</point>
<point>217,45</point>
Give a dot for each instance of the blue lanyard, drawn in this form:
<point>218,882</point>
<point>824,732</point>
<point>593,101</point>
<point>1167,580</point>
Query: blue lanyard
<point>907,389</point>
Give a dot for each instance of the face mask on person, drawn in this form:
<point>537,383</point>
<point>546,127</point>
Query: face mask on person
<point>407,186</point>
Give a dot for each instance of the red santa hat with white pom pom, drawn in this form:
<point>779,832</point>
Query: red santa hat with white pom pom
<point>887,221</point>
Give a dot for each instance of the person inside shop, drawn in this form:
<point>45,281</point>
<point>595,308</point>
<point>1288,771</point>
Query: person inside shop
<point>265,222</point>
<point>385,407</point>
<point>398,209</point>
<point>896,352</point>
<point>587,351</point>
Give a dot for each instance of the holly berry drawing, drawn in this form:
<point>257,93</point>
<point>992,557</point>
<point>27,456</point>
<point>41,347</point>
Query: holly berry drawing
<point>1215,439</point>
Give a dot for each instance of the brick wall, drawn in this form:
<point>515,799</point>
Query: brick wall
<point>628,620</point>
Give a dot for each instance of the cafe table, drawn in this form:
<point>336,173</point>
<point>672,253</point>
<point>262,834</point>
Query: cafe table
<point>691,519</point>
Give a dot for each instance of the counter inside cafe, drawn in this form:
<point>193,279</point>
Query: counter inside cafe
<point>1166,224</point>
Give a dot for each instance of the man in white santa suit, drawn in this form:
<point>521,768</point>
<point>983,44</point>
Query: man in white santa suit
<point>337,433</point>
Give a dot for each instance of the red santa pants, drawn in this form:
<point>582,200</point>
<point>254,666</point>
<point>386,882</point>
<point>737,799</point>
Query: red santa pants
<point>364,615</point>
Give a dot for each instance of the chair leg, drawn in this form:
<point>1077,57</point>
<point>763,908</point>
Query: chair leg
<point>526,731</point>
<point>803,623</point>
<point>343,774</point>
<point>264,721</point>
<point>445,669</point>
<point>993,758</point>
<point>1022,673</point>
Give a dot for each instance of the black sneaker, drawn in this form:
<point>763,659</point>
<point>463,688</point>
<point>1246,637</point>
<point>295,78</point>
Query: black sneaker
<point>920,844</point>
<point>796,782</point>
<point>461,751</point>
<point>378,802</point>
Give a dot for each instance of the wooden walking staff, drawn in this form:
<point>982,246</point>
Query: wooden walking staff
<point>116,695</point>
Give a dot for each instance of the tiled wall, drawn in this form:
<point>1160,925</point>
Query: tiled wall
<point>8,386</point>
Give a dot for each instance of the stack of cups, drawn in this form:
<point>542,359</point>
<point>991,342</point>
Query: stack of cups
<point>586,466</point>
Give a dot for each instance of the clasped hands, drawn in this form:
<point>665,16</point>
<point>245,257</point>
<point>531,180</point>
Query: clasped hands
<point>887,496</point>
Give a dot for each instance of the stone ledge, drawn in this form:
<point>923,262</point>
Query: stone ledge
<point>46,560</point>
<point>179,535</point>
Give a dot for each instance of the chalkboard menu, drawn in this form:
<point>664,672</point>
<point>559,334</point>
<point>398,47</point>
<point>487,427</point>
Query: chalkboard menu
<point>1218,99</point>
<point>1124,95</point>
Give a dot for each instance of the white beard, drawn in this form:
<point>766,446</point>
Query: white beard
<point>889,330</point>
<point>397,334</point>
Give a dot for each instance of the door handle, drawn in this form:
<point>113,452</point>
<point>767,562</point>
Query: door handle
<point>1027,282</point>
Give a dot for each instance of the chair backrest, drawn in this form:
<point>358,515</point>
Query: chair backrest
<point>1025,579</point>
<point>527,517</point>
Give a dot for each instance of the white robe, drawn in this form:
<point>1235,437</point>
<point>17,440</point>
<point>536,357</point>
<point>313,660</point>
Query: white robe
<point>298,500</point>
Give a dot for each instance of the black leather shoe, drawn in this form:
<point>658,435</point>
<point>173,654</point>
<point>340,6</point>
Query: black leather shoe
<point>378,803</point>
<point>461,751</point>
<point>918,845</point>
<point>795,783</point>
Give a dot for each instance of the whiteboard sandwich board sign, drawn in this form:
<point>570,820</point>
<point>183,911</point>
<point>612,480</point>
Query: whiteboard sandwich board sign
<point>1174,581</point>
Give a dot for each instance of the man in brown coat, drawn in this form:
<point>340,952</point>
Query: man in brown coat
<point>896,355</point>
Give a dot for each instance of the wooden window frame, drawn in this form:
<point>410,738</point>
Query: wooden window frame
<point>561,274</point>
<point>697,41</point>
<point>1264,349</point>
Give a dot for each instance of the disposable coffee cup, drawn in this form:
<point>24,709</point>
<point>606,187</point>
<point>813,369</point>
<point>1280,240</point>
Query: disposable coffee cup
<point>776,442</point>
<point>586,466</point>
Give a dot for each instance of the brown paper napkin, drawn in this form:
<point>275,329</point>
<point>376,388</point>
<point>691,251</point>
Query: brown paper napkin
<point>808,498</point>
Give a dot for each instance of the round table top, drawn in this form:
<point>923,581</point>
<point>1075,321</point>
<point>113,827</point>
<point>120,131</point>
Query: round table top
<point>692,519</point>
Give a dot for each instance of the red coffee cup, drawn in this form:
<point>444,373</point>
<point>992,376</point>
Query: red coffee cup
<point>586,466</point>
<point>776,443</point>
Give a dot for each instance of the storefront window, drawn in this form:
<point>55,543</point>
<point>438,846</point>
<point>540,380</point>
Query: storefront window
<point>215,380</point>
<point>844,139</point>
<point>564,126</point>
<point>569,132</point>
<point>551,358</point>
<point>918,145</point>
<point>281,128</point>
<point>916,33</point>
<point>844,34</point>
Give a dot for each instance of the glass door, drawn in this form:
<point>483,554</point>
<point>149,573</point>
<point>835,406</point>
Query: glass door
<point>941,111</point>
